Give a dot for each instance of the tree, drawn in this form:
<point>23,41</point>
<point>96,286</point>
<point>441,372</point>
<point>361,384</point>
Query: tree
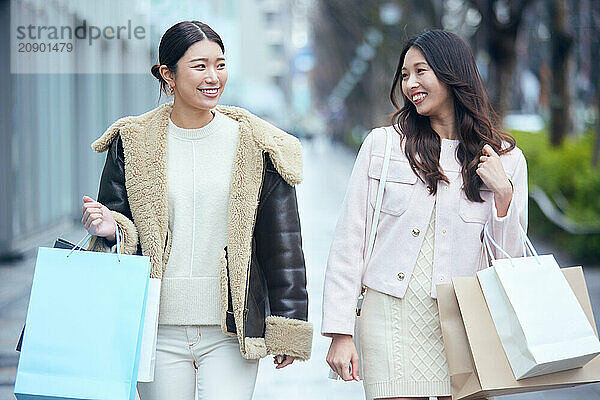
<point>561,61</point>
<point>339,28</point>
<point>595,56</point>
<point>501,20</point>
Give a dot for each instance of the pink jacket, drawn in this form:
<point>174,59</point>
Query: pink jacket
<point>405,214</point>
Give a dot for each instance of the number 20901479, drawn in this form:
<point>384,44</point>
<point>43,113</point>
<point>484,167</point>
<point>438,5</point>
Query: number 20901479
<point>45,47</point>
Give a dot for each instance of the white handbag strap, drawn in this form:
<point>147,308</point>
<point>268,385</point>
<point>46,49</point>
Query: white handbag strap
<point>380,190</point>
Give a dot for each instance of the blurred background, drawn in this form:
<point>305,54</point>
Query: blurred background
<point>321,70</point>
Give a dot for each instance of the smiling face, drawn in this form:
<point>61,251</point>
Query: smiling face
<point>201,75</point>
<point>422,87</point>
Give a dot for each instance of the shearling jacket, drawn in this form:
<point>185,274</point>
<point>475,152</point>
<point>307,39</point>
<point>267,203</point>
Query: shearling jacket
<point>406,210</point>
<point>263,280</point>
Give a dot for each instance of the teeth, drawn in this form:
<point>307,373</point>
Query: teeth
<point>209,91</point>
<point>419,96</point>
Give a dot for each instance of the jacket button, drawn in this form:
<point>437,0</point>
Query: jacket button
<point>415,232</point>
<point>401,276</point>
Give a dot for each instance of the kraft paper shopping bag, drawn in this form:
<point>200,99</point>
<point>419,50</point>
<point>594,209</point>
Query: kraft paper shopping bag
<point>476,360</point>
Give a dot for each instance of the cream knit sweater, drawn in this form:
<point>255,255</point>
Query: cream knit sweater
<point>199,169</point>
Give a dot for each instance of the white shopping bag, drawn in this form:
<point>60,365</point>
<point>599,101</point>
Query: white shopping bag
<point>541,325</point>
<point>148,350</point>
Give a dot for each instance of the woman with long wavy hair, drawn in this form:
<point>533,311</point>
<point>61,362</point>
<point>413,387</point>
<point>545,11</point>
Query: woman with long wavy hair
<point>451,171</point>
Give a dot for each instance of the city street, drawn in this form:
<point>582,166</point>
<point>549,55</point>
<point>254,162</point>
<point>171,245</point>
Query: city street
<point>326,171</point>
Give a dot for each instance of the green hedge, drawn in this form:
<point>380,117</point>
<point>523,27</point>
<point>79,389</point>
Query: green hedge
<point>566,175</point>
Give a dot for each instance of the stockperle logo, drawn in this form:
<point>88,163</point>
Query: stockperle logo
<point>80,37</point>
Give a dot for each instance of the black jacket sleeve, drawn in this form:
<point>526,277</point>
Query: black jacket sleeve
<point>279,247</point>
<point>112,192</point>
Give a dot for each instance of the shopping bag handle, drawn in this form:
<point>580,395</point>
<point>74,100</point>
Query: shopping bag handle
<point>83,242</point>
<point>527,245</point>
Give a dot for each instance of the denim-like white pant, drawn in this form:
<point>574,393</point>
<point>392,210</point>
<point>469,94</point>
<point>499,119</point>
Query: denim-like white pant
<point>202,359</point>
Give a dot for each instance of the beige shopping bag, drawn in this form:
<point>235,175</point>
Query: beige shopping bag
<point>476,361</point>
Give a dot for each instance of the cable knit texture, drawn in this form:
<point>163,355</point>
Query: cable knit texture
<point>416,365</point>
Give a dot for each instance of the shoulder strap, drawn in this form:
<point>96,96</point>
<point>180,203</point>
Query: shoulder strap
<point>382,181</point>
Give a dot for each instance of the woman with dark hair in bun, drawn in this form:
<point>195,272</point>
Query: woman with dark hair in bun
<point>207,192</point>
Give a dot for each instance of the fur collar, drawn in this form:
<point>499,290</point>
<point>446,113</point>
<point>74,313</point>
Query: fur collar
<point>284,149</point>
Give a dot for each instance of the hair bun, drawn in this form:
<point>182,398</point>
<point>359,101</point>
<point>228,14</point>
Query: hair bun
<point>155,71</point>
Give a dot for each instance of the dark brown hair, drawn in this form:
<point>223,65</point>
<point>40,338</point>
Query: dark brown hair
<point>175,42</point>
<point>452,61</point>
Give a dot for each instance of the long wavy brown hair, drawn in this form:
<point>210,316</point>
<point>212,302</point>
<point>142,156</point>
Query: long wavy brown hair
<point>452,61</point>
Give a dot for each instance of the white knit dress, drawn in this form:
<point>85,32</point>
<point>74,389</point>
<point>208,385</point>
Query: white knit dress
<point>401,340</point>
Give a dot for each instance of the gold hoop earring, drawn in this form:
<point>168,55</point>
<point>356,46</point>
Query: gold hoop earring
<point>172,90</point>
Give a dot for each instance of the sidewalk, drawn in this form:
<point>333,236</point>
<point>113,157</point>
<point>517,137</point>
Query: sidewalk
<point>326,169</point>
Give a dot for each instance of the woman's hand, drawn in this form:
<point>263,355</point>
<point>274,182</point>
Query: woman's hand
<point>282,361</point>
<point>492,173</point>
<point>97,219</point>
<point>343,357</point>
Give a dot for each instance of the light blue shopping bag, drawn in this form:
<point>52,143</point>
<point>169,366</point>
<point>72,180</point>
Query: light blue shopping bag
<point>84,326</point>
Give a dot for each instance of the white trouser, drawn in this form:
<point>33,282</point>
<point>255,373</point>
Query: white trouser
<point>202,358</point>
